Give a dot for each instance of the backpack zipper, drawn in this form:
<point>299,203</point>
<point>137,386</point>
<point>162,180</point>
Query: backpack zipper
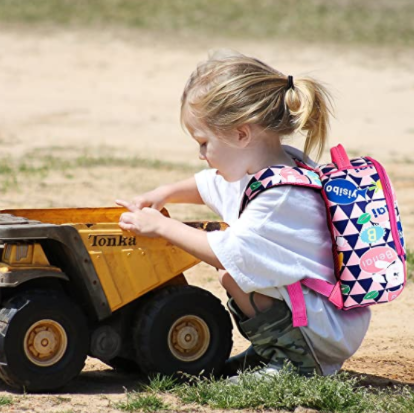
<point>389,199</point>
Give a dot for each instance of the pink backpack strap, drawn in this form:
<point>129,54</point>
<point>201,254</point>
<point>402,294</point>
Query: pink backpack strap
<point>280,175</point>
<point>297,299</point>
<point>320,286</point>
<point>302,175</point>
<point>340,157</point>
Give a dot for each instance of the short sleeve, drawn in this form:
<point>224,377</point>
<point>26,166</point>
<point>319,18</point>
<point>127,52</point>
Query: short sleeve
<point>219,195</point>
<point>280,238</point>
<point>209,189</point>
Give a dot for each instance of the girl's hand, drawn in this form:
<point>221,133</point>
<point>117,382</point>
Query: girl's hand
<point>146,221</point>
<point>151,223</point>
<point>182,192</point>
<point>156,199</point>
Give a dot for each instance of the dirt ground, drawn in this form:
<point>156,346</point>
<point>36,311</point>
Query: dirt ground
<point>116,94</point>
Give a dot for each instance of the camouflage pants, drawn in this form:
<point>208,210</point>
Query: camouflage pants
<point>274,338</point>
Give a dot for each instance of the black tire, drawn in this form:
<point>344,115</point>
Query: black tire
<point>183,329</point>
<point>44,343</point>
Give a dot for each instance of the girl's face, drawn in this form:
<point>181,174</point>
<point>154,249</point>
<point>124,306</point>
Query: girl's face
<point>224,155</point>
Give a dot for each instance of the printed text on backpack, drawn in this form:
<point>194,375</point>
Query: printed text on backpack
<point>364,221</point>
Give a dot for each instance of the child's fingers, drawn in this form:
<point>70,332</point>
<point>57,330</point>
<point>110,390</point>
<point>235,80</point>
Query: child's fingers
<point>141,202</point>
<point>126,227</point>
<point>128,205</point>
<point>127,218</point>
<point>121,202</point>
<point>126,221</point>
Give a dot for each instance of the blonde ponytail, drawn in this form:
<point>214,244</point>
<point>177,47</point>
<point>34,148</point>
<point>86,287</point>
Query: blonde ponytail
<point>226,92</point>
<point>309,104</point>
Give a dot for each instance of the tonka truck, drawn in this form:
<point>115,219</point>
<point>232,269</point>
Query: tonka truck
<point>73,284</point>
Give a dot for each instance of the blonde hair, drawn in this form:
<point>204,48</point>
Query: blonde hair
<point>226,92</point>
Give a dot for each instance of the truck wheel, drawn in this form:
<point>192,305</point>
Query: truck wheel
<point>44,342</point>
<point>183,329</point>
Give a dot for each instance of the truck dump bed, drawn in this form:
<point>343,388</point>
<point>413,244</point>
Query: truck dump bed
<point>124,264</point>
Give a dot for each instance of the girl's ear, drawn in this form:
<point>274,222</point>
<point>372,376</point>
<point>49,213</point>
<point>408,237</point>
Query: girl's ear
<point>244,135</point>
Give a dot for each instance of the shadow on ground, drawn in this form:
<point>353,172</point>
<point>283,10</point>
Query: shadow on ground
<point>94,382</point>
<point>378,382</point>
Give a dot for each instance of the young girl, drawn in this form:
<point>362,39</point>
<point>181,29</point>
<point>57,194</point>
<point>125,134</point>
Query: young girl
<point>238,109</point>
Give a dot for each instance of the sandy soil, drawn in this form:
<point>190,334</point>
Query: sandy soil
<point>65,93</point>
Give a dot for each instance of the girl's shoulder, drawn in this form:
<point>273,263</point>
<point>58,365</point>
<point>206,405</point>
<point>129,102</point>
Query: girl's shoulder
<point>296,153</point>
<point>286,207</point>
<point>289,197</point>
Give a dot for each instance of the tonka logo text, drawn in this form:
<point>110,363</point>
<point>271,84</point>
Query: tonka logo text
<point>112,241</point>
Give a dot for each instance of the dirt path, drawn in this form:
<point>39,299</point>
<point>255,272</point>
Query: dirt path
<point>118,95</point>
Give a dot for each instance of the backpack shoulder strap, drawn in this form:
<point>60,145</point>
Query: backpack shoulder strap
<point>279,175</point>
<point>301,175</point>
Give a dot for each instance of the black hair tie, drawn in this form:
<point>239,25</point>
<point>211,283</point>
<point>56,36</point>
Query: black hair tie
<point>290,84</point>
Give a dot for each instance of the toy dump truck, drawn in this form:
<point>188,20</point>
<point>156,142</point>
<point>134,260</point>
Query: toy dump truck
<point>73,284</point>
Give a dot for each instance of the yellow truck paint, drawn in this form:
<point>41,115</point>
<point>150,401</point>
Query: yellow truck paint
<point>128,265</point>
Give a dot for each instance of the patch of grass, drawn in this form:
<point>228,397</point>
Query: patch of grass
<point>8,176</point>
<point>62,399</point>
<point>87,161</point>
<point>41,165</point>
<point>143,402</point>
<point>410,264</point>
<point>6,401</point>
<point>288,390</point>
<point>160,383</point>
<point>379,22</point>
<point>404,399</point>
<point>5,167</point>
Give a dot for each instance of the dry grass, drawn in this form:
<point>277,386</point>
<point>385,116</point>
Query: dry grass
<point>348,22</point>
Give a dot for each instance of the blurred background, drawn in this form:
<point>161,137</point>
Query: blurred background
<point>373,22</point>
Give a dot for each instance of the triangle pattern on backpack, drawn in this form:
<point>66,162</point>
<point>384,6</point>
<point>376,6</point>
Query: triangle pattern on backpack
<point>340,226</point>
<point>356,212</point>
<point>266,174</point>
<point>346,275</point>
<point>350,302</point>
<point>357,289</point>
<point>363,242</point>
<point>339,215</point>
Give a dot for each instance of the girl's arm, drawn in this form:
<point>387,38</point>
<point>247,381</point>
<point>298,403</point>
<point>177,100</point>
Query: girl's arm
<point>151,223</point>
<point>184,192</point>
<point>192,240</point>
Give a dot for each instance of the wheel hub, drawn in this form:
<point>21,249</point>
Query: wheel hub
<point>45,343</point>
<point>189,338</point>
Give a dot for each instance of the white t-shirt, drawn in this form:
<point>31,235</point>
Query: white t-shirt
<point>282,237</point>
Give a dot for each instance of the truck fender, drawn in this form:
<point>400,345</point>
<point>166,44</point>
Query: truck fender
<point>16,278</point>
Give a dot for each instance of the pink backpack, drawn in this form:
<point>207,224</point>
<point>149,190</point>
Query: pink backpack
<point>364,221</point>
